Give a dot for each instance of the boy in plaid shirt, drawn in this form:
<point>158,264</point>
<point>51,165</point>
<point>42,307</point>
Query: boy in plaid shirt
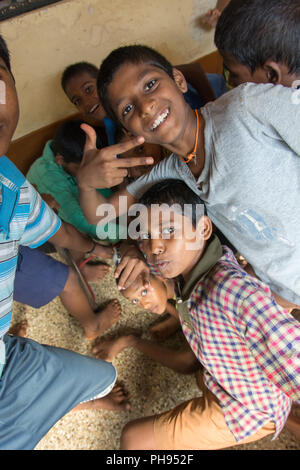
<point>248,346</point>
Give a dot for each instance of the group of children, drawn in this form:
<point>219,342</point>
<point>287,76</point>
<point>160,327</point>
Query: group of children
<point>238,157</point>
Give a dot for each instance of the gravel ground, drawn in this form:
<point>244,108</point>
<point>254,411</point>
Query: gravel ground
<point>152,388</point>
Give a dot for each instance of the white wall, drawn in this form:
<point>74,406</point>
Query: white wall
<point>43,42</point>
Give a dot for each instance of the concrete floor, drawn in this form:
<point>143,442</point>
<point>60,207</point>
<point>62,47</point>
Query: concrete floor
<point>152,388</point>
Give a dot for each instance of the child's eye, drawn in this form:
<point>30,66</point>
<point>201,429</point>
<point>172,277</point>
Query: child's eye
<point>168,230</point>
<point>127,109</point>
<point>89,90</point>
<point>77,102</point>
<point>150,85</point>
<point>135,301</point>
<point>144,293</point>
<point>144,236</point>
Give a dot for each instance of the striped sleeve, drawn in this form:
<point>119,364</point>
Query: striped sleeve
<point>42,222</point>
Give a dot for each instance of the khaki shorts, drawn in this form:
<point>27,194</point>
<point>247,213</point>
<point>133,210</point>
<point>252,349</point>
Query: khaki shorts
<point>199,424</point>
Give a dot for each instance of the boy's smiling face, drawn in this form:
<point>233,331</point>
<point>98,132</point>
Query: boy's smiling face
<point>149,103</point>
<point>9,108</point>
<point>81,90</point>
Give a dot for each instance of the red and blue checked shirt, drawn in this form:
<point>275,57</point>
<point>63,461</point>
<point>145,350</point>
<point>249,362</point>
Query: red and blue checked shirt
<point>248,345</point>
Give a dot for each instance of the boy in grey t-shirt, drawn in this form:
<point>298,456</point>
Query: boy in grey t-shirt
<point>241,156</point>
<point>250,180</point>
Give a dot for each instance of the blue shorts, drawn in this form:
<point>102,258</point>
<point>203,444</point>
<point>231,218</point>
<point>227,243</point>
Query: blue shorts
<point>40,384</point>
<point>39,277</point>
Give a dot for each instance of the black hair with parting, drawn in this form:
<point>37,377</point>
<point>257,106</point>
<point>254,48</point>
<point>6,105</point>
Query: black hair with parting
<point>69,141</point>
<point>76,69</point>
<point>175,191</point>
<point>134,54</point>
<point>254,31</point>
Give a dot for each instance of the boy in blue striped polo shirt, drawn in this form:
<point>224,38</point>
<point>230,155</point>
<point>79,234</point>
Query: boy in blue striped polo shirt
<point>38,384</point>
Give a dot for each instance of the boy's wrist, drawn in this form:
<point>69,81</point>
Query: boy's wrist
<point>84,187</point>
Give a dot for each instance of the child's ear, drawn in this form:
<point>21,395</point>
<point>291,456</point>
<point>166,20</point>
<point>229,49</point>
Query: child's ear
<point>180,80</point>
<point>205,227</point>
<point>273,72</point>
<point>59,159</point>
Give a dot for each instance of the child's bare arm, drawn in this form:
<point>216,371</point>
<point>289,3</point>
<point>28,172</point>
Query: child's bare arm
<point>195,75</point>
<point>221,4</point>
<point>211,17</point>
<point>184,361</point>
<point>93,204</point>
<point>69,237</point>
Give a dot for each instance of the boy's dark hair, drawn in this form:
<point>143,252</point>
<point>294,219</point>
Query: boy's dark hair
<point>69,141</point>
<point>135,54</point>
<point>76,69</point>
<point>254,31</point>
<point>4,54</point>
<point>175,191</point>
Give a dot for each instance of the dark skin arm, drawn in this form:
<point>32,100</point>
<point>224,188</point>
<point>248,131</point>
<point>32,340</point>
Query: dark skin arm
<point>68,237</point>
<point>183,361</point>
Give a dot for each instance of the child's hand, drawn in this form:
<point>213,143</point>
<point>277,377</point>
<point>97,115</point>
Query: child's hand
<point>130,267</point>
<point>100,168</point>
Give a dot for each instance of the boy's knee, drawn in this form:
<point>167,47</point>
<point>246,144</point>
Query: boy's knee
<point>128,436</point>
<point>139,434</point>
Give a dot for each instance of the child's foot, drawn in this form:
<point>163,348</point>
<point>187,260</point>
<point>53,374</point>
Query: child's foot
<point>19,329</point>
<point>116,400</point>
<point>106,318</point>
<point>165,328</point>
<point>103,251</point>
<point>94,272</point>
<point>108,349</point>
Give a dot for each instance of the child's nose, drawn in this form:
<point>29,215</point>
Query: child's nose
<point>157,246</point>
<point>147,107</point>
<point>146,304</point>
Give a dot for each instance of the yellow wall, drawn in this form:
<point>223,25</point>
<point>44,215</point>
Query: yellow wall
<point>44,41</point>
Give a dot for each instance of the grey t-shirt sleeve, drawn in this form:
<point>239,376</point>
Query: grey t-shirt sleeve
<point>277,108</point>
<point>169,168</point>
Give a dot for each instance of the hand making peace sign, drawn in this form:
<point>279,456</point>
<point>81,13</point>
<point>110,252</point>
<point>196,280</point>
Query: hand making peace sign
<point>101,168</point>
